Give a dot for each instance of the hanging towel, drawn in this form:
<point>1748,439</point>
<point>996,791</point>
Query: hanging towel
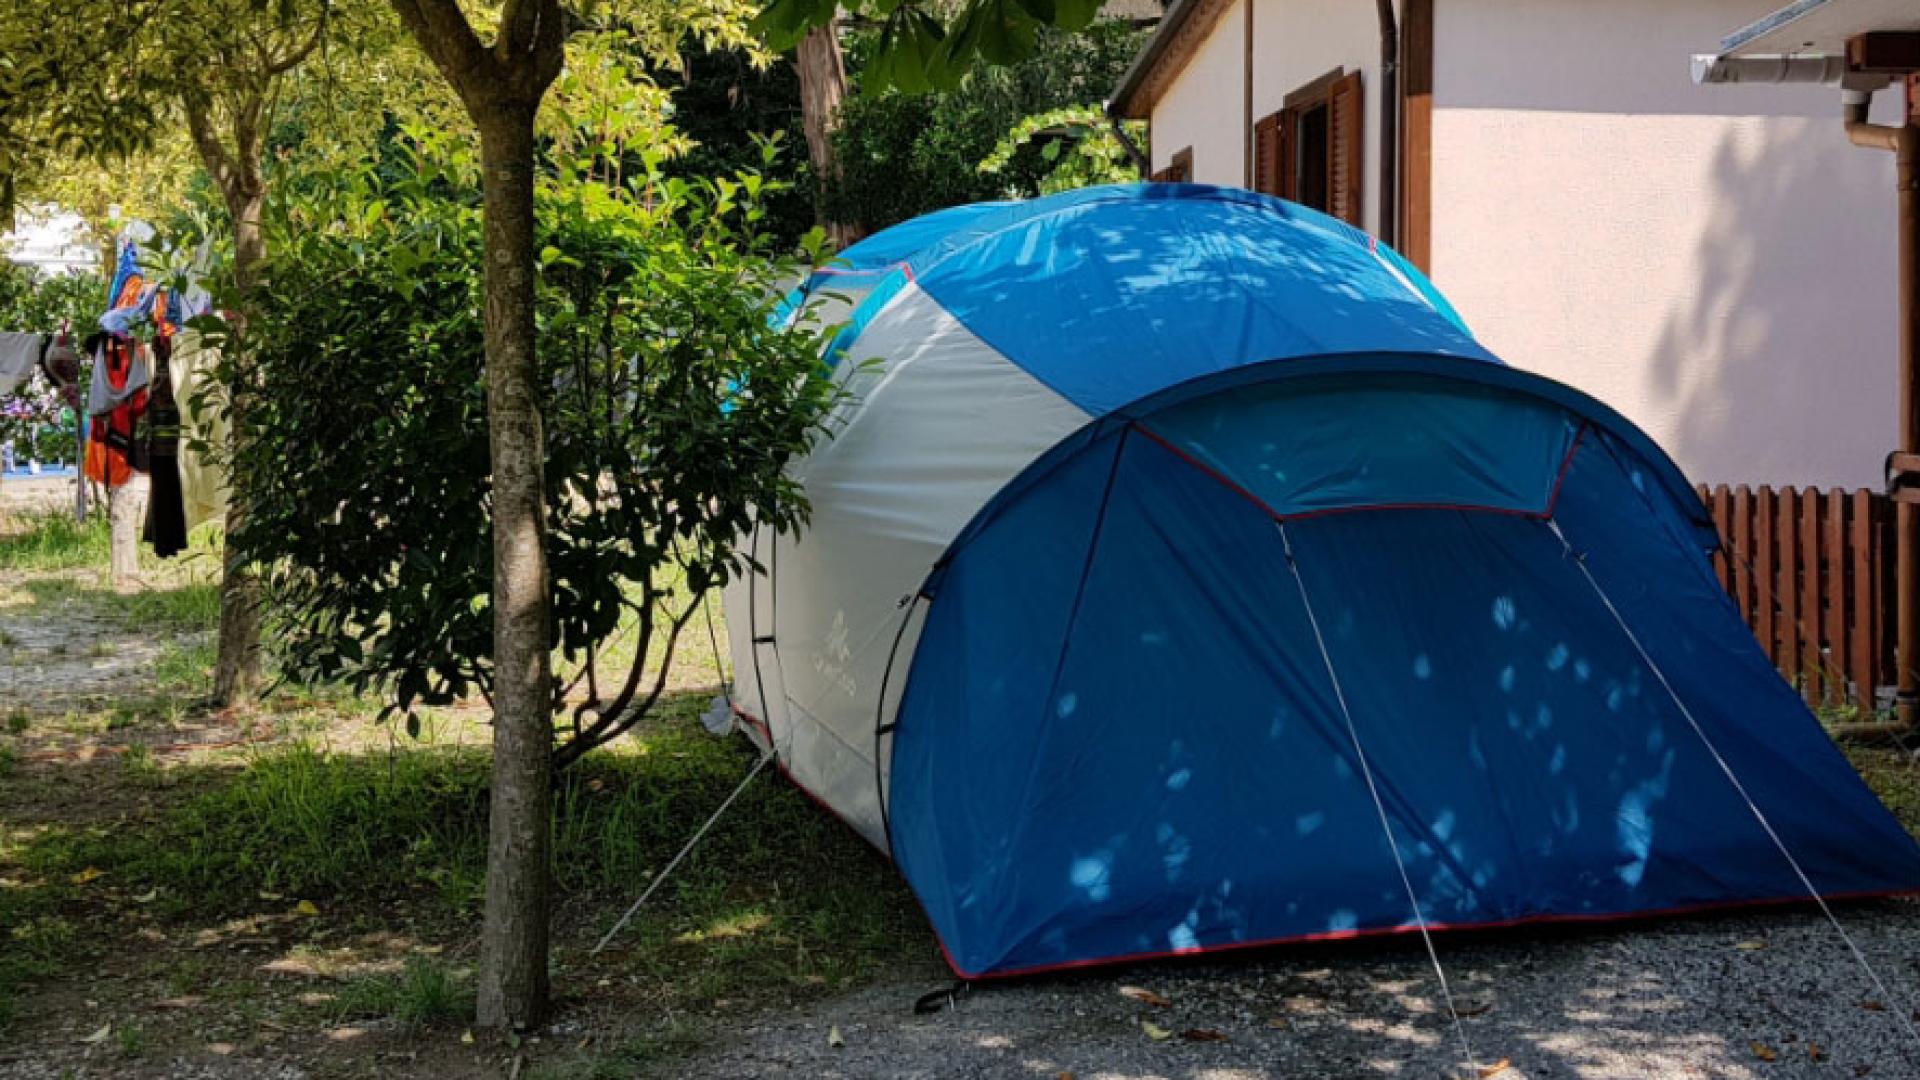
<point>203,486</point>
<point>119,372</point>
<point>19,355</point>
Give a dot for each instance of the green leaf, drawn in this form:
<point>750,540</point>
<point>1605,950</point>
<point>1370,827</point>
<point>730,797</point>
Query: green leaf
<point>996,31</point>
<point>1075,15</point>
<point>782,23</point>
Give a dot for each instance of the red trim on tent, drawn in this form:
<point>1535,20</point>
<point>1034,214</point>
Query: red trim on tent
<point>1553,496</point>
<point>1387,931</point>
<point>767,733</point>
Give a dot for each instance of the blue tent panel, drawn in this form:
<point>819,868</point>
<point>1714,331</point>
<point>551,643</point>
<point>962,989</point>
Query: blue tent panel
<point>1120,738</point>
<point>1315,445</point>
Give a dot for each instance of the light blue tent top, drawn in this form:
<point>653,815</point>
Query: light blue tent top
<point>1197,287</point>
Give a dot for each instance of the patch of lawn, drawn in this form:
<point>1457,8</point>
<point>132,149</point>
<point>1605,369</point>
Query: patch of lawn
<point>779,901</point>
<point>425,993</point>
<point>52,540</point>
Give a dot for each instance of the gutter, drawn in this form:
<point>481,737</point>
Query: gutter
<point>1388,225</point>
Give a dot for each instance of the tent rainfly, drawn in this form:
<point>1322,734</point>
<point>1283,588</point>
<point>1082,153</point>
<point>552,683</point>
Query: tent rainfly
<point>1184,576</point>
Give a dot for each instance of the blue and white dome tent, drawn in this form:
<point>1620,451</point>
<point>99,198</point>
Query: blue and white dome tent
<point>1181,537</point>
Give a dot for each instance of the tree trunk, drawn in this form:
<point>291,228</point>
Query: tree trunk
<point>823,86</point>
<point>513,980</point>
<point>236,672</point>
<point>125,506</point>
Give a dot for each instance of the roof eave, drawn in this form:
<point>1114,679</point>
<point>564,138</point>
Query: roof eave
<point>1128,101</point>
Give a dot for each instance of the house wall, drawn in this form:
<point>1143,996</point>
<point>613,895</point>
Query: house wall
<point>1295,42</point>
<point>1204,107</point>
<point>1715,262</point>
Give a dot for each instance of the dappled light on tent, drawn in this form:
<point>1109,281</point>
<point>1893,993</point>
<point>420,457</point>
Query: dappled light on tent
<point>1187,578</point>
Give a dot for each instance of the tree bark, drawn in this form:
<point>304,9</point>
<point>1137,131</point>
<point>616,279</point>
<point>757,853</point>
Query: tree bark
<point>823,87</point>
<point>125,505</point>
<point>236,173</point>
<point>501,86</point>
<point>236,671</point>
<point>513,981</point>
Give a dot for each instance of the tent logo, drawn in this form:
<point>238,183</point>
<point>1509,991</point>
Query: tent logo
<point>831,663</point>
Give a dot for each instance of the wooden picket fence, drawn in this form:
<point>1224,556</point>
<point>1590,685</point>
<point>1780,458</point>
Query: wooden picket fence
<point>1813,573</point>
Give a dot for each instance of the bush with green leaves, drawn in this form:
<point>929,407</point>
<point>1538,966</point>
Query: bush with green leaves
<point>901,155</point>
<point>674,400</point>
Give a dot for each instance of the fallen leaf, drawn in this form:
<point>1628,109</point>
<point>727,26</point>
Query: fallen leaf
<point>1750,946</point>
<point>1764,1052</point>
<point>89,874</point>
<point>99,1036</point>
<point>1816,1052</point>
<point>185,1001</point>
<point>466,1038</point>
<point>1144,996</point>
<point>1279,1022</point>
<point>834,1038</point>
<point>271,896</point>
<point>1472,1008</point>
<point>147,897</point>
<point>1495,1069</point>
<point>307,908</point>
<point>1063,1075</point>
<point>1202,1035</point>
<point>1155,1031</point>
<point>1873,1006</point>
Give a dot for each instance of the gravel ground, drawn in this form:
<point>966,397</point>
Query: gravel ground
<point>1768,995</point>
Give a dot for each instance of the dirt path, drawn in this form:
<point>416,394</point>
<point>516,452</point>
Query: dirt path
<point>1745,997</point>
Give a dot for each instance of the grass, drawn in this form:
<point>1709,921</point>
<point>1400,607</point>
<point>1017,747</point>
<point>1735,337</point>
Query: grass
<point>779,901</point>
<point>425,993</point>
<point>50,539</point>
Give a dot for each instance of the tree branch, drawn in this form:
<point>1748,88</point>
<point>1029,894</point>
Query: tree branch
<point>284,64</point>
<point>448,40</point>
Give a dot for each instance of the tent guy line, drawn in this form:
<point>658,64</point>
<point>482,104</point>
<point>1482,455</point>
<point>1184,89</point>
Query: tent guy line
<point>1895,1006</point>
<point>1373,791</point>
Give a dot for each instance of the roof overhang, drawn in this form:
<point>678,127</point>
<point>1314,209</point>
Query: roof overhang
<point>1185,25</point>
<point>1855,44</point>
<point>1819,27</point>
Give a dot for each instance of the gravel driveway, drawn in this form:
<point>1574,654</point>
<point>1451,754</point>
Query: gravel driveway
<point>1766,995</point>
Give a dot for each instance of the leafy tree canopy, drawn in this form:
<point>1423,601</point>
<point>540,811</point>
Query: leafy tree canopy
<point>672,404</point>
<point>928,45</point>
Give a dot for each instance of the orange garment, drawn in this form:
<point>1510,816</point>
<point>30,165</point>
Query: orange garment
<point>110,439</point>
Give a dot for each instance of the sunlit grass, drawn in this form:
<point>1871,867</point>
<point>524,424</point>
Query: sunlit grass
<point>39,540</point>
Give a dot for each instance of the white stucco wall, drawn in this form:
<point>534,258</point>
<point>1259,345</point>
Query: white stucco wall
<point>1204,106</point>
<point>1715,262</point>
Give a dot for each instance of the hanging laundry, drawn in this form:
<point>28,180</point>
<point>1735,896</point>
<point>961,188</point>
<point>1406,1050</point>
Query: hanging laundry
<point>203,485</point>
<point>116,400</point>
<point>166,524</point>
<point>19,355</point>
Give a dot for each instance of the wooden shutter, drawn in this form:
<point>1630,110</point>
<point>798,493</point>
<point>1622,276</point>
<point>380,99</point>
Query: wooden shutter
<point>1179,170</point>
<point>1271,172</point>
<point>1346,143</point>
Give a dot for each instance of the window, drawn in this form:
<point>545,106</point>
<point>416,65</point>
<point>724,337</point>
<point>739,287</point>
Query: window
<point>1310,151</point>
<point>1177,171</point>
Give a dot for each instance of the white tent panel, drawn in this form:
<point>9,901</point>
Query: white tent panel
<point>904,473</point>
